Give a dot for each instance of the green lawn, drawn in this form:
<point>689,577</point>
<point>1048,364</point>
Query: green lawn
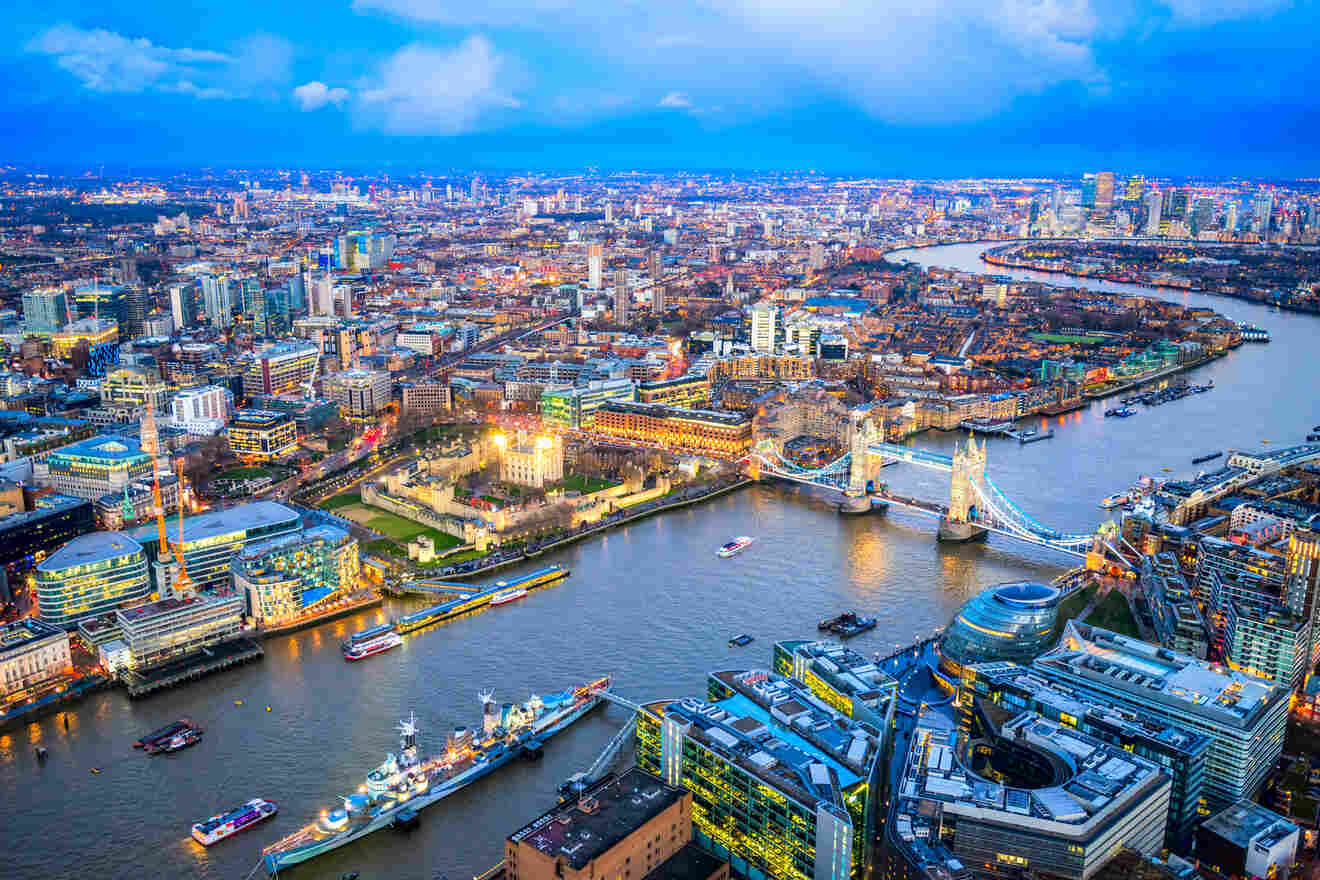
<point>247,473</point>
<point>1072,606</point>
<point>1112,613</point>
<point>347,499</point>
<point>585,484</point>
<point>1059,338</point>
<point>404,530</point>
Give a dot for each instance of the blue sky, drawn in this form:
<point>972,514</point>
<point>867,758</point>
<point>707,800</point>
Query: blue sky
<point>918,87</point>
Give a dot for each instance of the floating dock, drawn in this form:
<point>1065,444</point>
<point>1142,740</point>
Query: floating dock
<point>192,667</point>
<point>465,603</point>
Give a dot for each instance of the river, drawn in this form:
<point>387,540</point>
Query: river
<point>649,603</point>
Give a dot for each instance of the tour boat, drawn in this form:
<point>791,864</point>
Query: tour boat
<point>736,546</point>
<point>1116,500</point>
<point>513,594</point>
<point>376,640</point>
<point>190,737</point>
<point>227,824</point>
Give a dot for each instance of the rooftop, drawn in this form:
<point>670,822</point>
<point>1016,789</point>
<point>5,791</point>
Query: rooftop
<point>23,632</point>
<point>89,549</point>
<point>103,447</point>
<point>601,819</point>
<point>1246,823</point>
<point>689,863</point>
<point>218,523</point>
<point>660,410</point>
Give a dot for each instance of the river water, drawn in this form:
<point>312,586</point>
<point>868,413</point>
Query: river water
<point>649,603</point>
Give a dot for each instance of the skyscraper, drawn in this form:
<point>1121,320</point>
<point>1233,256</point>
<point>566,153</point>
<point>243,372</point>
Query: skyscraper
<point>764,318</point>
<point>218,301</point>
<point>1104,195</point>
<point>653,264</point>
<point>45,310</point>
<point>1154,204</point>
<point>658,299</point>
<point>622,296</point>
<point>1136,188</point>
<point>183,304</point>
<point>595,266</point>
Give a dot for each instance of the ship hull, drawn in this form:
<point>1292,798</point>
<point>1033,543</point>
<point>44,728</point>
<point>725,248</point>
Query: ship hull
<point>438,791</point>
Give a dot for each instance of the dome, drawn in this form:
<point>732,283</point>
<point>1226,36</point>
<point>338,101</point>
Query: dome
<point>1009,622</point>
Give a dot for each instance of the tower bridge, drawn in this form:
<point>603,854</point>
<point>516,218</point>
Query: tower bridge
<point>975,508</point>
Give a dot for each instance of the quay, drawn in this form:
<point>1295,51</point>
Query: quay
<point>468,602</point>
<point>192,667</point>
<point>52,702</point>
<point>363,604</point>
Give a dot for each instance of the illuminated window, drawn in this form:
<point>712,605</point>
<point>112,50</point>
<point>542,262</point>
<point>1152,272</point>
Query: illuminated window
<point>1006,859</point>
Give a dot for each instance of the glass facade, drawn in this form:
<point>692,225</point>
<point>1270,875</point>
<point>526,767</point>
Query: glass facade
<point>1009,622</point>
<point>55,520</point>
<point>91,575</point>
<point>285,578</point>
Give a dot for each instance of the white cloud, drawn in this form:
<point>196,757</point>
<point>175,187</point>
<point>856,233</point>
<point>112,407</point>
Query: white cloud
<point>315,95</point>
<point>676,101</point>
<point>106,61</point>
<point>424,90</point>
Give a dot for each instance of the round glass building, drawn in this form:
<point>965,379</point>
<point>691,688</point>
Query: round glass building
<point>1009,622</point>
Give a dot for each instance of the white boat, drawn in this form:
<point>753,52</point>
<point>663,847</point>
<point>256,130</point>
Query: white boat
<point>376,640</point>
<point>513,594</point>
<point>734,547</point>
<point>222,825</point>
<point>1116,500</point>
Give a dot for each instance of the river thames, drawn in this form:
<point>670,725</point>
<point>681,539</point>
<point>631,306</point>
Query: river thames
<point>650,604</point>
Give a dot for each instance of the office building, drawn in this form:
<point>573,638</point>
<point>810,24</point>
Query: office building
<point>90,468</point>
<point>784,786</point>
<point>531,461</point>
<point>361,394</point>
<point>622,297</point>
<point>1104,195</point>
<point>575,408</point>
<point>1034,796</point>
<point>26,538</point>
<point>183,304</point>
<point>282,368</point>
<point>989,693</point>
<point>160,631</point>
<point>257,435</point>
<point>1247,840</point>
<point>427,398</point>
<point>89,332</point>
<point>595,266</point>
<point>211,539</point>
<point>633,825</point>
<point>1266,641</point>
<point>134,388</point>
<point>103,302</point>
<point>45,310</point>
<point>201,410</point>
<point>90,575</point>
<point>218,300</point>
<point>287,578</point>
<point>1243,716</point>
<point>844,679</point>
<point>765,318</point>
<point>362,251</point>
<point>33,656</point>
<point>691,389</point>
<point>1154,209</point>
<point>716,433</point>
<point>1013,622</point>
<point>659,299</point>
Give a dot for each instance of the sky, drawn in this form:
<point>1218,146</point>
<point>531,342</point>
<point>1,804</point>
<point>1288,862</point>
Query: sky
<point>903,88</point>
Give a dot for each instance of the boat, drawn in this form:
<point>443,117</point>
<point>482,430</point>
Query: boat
<point>512,594</point>
<point>376,640</point>
<point>177,743</point>
<point>1209,456</point>
<point>739,641</point>
<point>467,603</point>
<point>1118,499</point>
<point>163,733</point>
<point>1035,436</point>
<point>392,790</point>
<point>229,823</point>
<point>847,624</point>
<point>734,547</point>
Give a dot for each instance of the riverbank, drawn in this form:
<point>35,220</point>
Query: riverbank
<point>53,702</point>
<point>605,525</point>
<point>363,604</point>
<point>1129,385</point>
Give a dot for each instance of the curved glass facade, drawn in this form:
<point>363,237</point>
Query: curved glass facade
<point>90,575</point>
<point>1012,622</point>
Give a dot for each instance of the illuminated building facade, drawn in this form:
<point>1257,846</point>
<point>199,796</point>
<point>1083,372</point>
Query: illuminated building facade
<point>690,390</point>
<point>33,654</point>
<point>1244,717</point>
<point>280,369</point>
<point>531,461</point>
<point>89,331</point>
<point>91,468</point>
<point>695,431</point>
<point>159,631</point>
<point>840,676</point>
<point>286,578</point>
<point>262,435</point>
<point>45,310</point>
<point>427,398</point>
<point>211,539</point>
<point>1006,622</point>
<point>575,408</point>
<point>781,782</point>
<point>134,387</point>
<point>90,575</point>
<point>361,394</point>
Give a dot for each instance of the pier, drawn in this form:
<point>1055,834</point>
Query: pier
<point>192,667</point>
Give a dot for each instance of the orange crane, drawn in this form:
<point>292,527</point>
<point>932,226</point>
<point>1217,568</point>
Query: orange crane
<point>151,443</point>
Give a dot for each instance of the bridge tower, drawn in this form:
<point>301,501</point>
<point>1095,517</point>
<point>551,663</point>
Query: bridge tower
<point>964,501</point>
<point>862,465</point>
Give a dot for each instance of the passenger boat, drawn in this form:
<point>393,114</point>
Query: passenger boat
<point>177,743</point>
<point>512,594</point>
<point>734,547</point>
<point>229,823</point>
<point>163,733</point>
<point>1118,499</point>
<point>376,640</point>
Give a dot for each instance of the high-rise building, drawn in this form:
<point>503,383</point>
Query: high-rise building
<point>1154,206</point>
<point>1104,195</point>
<point>91,575</point>
<point>1262,209</point>
<point>321,298</point>
<point>1175,203</point>
<point>286,578</point>
<point>135,309</point>
<point>658,296</point>
<point>765,319</point>
<point>45,310</point>
<point>100,301</point>
<point>622,297</point>
<point>595,266</point>
<point>281,368</point>
<point>653,264</point>
<point>257,435</point>
<point>816,257</point>
<point>1243,716</point>
<point>183,304</point>
<point>217,300</point>
<point>1088,191</point>
<point>1136,188</point>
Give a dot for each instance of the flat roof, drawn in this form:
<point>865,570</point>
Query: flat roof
<point>215,523</point>
<point>90,548</point>
<point>112,447</point>
<point>1243,822</point>
<point>22,632</point>
<point>604,816</point>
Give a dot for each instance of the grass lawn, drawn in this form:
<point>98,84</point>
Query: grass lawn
<point>1112,613</point>
<point>404,530</point>
<point>347,499</point>
<point>247,473</point>
<point>1072,606</point>
<point>584,484</point>
<point>1057,337</point>
<point>454,559</point>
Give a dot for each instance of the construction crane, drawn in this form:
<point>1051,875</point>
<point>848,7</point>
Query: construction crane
<point>151,444</point>
<point>309,387</point>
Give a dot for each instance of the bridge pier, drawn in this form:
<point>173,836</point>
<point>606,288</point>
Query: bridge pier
<point>959,532</point>
<point>854,505</point>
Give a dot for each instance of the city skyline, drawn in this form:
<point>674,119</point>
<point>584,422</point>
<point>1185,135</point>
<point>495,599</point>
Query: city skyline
<point>1171,88</point>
